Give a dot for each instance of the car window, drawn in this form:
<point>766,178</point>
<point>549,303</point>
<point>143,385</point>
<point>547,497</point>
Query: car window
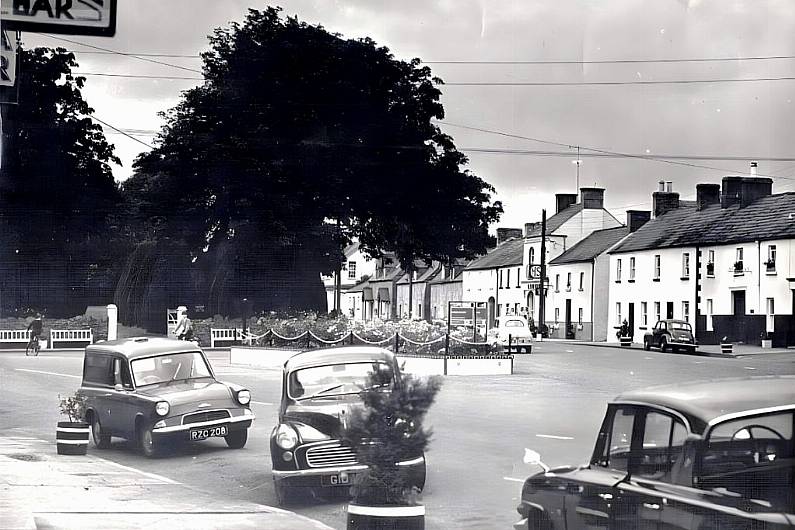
<point>172,367</point>
<point>684,326</point>
<point>97,369</point>
<point>661,454</point>
<point>617,439</point>
<point>121,374</point>
<point>752,457</point>
<point>514,324</point>
<point>332,379</point>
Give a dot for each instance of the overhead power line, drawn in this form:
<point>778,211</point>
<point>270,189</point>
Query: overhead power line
<point>136,76</point>
<point>120,131</point>
<point>624,61</point>
<point>594,149</point>
<point>133,56</point>
<point>615,83</point>
<point>165,55</point>
<point>569,154</point>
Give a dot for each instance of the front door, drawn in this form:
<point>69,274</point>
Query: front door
<point>669,310</point>
<point>738,304</point>
<point>569,327</point>
<point>631,319</point>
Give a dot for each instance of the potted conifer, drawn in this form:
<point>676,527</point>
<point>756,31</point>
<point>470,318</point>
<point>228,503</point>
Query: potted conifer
<point>624,334</point>
<point>71,436</point>
<point>389,438</point>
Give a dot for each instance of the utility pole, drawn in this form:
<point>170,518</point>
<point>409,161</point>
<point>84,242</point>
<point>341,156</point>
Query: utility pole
<point>578,162</point>
<point>411,286</point>
<point>338,279</point>
<point>542,291</point>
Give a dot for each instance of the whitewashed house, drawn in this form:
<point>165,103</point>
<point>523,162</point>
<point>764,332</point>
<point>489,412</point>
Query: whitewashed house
<point>356,266</point>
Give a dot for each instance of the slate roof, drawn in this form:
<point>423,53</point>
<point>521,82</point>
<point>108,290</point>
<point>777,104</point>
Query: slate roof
<point>771,217</point>
<point>593,245</point>
<point>423,275</point>
<point>507,254</point>
<point>557,220</point>
<point>350,249</point>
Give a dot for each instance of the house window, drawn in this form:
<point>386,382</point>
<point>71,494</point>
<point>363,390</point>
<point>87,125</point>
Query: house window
<point>686,311</point>
<point>644,317</point>
<point>686,265</point>
<point>498,309</point>
<point>709,314</point>
<point>568,281</point>
<point>631,268</point>
<point>738,261</point>
<point>516,308</point>
<point>618,313</point>
<point>508,283</point>
<point>419,310</point>
<point>582,280</point>
<point>557,314</point>
<point>770,264</point>
<point>414,276</point>
<point>435,312</point>
<point>771,315</point>
<point>711,263</point>
<point>656,311</point>
<point>518,273</point>
<point>351,270</point>
<point>618,270</point>
<point>532,256</point>
<point>500,280</point>
<point>557,283</point>
<point>579,315</point>
<point>656,266</point>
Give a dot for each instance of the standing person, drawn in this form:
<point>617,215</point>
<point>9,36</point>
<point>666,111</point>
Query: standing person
<point>184,329</point>
<point>35,328</point>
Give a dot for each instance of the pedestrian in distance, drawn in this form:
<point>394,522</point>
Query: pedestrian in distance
<point>35,328</point>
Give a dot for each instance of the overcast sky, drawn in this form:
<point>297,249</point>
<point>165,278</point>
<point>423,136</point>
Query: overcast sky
<point>726,119</point>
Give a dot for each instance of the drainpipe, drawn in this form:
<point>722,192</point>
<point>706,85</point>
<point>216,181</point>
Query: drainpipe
<point>697,300</point>
<point>593,276</point>
<point>759,283</point>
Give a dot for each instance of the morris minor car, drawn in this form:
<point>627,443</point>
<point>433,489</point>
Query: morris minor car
<point>701,456</point>
<point>674,334</point>
<point>319,390</point>
<point>513,332</point>
<point>155,390</point>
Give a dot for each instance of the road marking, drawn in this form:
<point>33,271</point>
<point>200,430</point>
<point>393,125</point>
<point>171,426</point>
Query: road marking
<point>554,437</point>
<point>749,367</point>
<point>48,373</point>
<point>138,471</point>
<point>569,351</point>
<point>513,479</point>
<point>262,403</point>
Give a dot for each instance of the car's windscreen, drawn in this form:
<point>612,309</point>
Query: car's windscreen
<point>683,326</point>
<point>752,457</point>
<point>171,367</point>
<point>333,379</point>
<point>514,324</point>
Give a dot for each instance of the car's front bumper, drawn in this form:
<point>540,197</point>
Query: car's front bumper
<point>318,472</point>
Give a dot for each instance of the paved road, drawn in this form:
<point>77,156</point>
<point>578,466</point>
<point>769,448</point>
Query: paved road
<point>554,404</point>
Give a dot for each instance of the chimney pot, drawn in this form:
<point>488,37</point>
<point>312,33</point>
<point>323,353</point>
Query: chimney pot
<point>661,186</point>
<point>669,186</point>
<point>754,165</point>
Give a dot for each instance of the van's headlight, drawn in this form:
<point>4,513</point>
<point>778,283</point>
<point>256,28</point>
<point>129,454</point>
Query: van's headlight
<point>286,437</point>
<point>162,408</point>
<point>244,397</point>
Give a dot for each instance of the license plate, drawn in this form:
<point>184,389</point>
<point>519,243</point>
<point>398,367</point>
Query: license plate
<point>339,479</point>
<point>201,434</point>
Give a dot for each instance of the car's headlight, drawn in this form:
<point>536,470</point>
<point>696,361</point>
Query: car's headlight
<point>286,437</point>
<point>162,408</point>
<point>244,397</point>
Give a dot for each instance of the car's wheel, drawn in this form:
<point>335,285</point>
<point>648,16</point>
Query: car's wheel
<point>285,494</point>
<point>101,441</point>
<point>237,439</point>
<point>646,344</point>
<point>146,442</point>
<point>663,344</point>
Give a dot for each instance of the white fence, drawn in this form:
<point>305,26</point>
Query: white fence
<point>225,335</point>
<point>15,335</point>
<point>71,336</point>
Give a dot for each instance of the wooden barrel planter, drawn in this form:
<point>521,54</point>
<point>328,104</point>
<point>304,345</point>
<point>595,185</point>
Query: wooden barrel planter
<point>626,342</point>
<point>71,438</point>
<point>386,517</point>
<point>726,347</point>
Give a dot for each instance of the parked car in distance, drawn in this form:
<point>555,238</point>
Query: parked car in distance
<point>513,329</point>
<point>154,390</point>
<point>319,390</point>
<point>701,456</point>
<point>674,334</point>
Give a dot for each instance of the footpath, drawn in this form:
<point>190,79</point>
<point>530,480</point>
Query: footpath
<point>41,489</point>
<point>706,350</point>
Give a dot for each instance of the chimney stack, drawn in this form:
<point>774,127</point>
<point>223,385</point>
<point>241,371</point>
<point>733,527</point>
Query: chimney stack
<point>664,199</point>
<point>504,234</point>
<point>592,198</point>
<point>529,227</point>
<point>637,218</point>
<point>564,200</point>
<point>745,190</point>
<point>707,194</point>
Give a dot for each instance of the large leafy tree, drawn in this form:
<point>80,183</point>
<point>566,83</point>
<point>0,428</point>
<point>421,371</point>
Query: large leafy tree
<point>297,142</point>
<point>56,191</point>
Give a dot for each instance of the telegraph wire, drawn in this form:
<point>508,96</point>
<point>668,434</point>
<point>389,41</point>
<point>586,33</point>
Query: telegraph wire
<point>621,61</point>
<point>141,76</point>
<point>120,131</point>
<point>568,154</point>
<point>615,83</point>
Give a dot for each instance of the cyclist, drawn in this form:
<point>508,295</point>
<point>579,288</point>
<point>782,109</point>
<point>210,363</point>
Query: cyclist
<point>184,329</point>
<point>35,328</point>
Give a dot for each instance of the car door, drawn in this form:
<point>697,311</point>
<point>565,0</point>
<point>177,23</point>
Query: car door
<point>121,401</point>
<point>659,332</point>
<point>591,500</point>
<point>98,386</point>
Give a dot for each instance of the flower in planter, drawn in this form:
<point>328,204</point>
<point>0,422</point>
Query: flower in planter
<point>74,407</point>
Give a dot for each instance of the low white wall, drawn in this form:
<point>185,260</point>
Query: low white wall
<point>421,365</point>
<point>479,366</point>
<point>260,357</point>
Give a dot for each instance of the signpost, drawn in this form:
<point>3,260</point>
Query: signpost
<point>8,60</point>
<point>467,314</point>
<point>72,17</point>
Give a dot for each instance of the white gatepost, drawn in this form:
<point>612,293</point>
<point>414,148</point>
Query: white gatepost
<point>113,321</point>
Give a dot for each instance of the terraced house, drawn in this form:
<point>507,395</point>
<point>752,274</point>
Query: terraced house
<point>724,263</point>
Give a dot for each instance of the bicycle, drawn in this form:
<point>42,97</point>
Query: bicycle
<point>33,346</point>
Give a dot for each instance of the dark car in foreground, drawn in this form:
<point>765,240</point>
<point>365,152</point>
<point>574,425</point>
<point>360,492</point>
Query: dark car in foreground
<point>155,390</point>
<point>706,456</point>
<point>674,334</point>
<point>319,390</point>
